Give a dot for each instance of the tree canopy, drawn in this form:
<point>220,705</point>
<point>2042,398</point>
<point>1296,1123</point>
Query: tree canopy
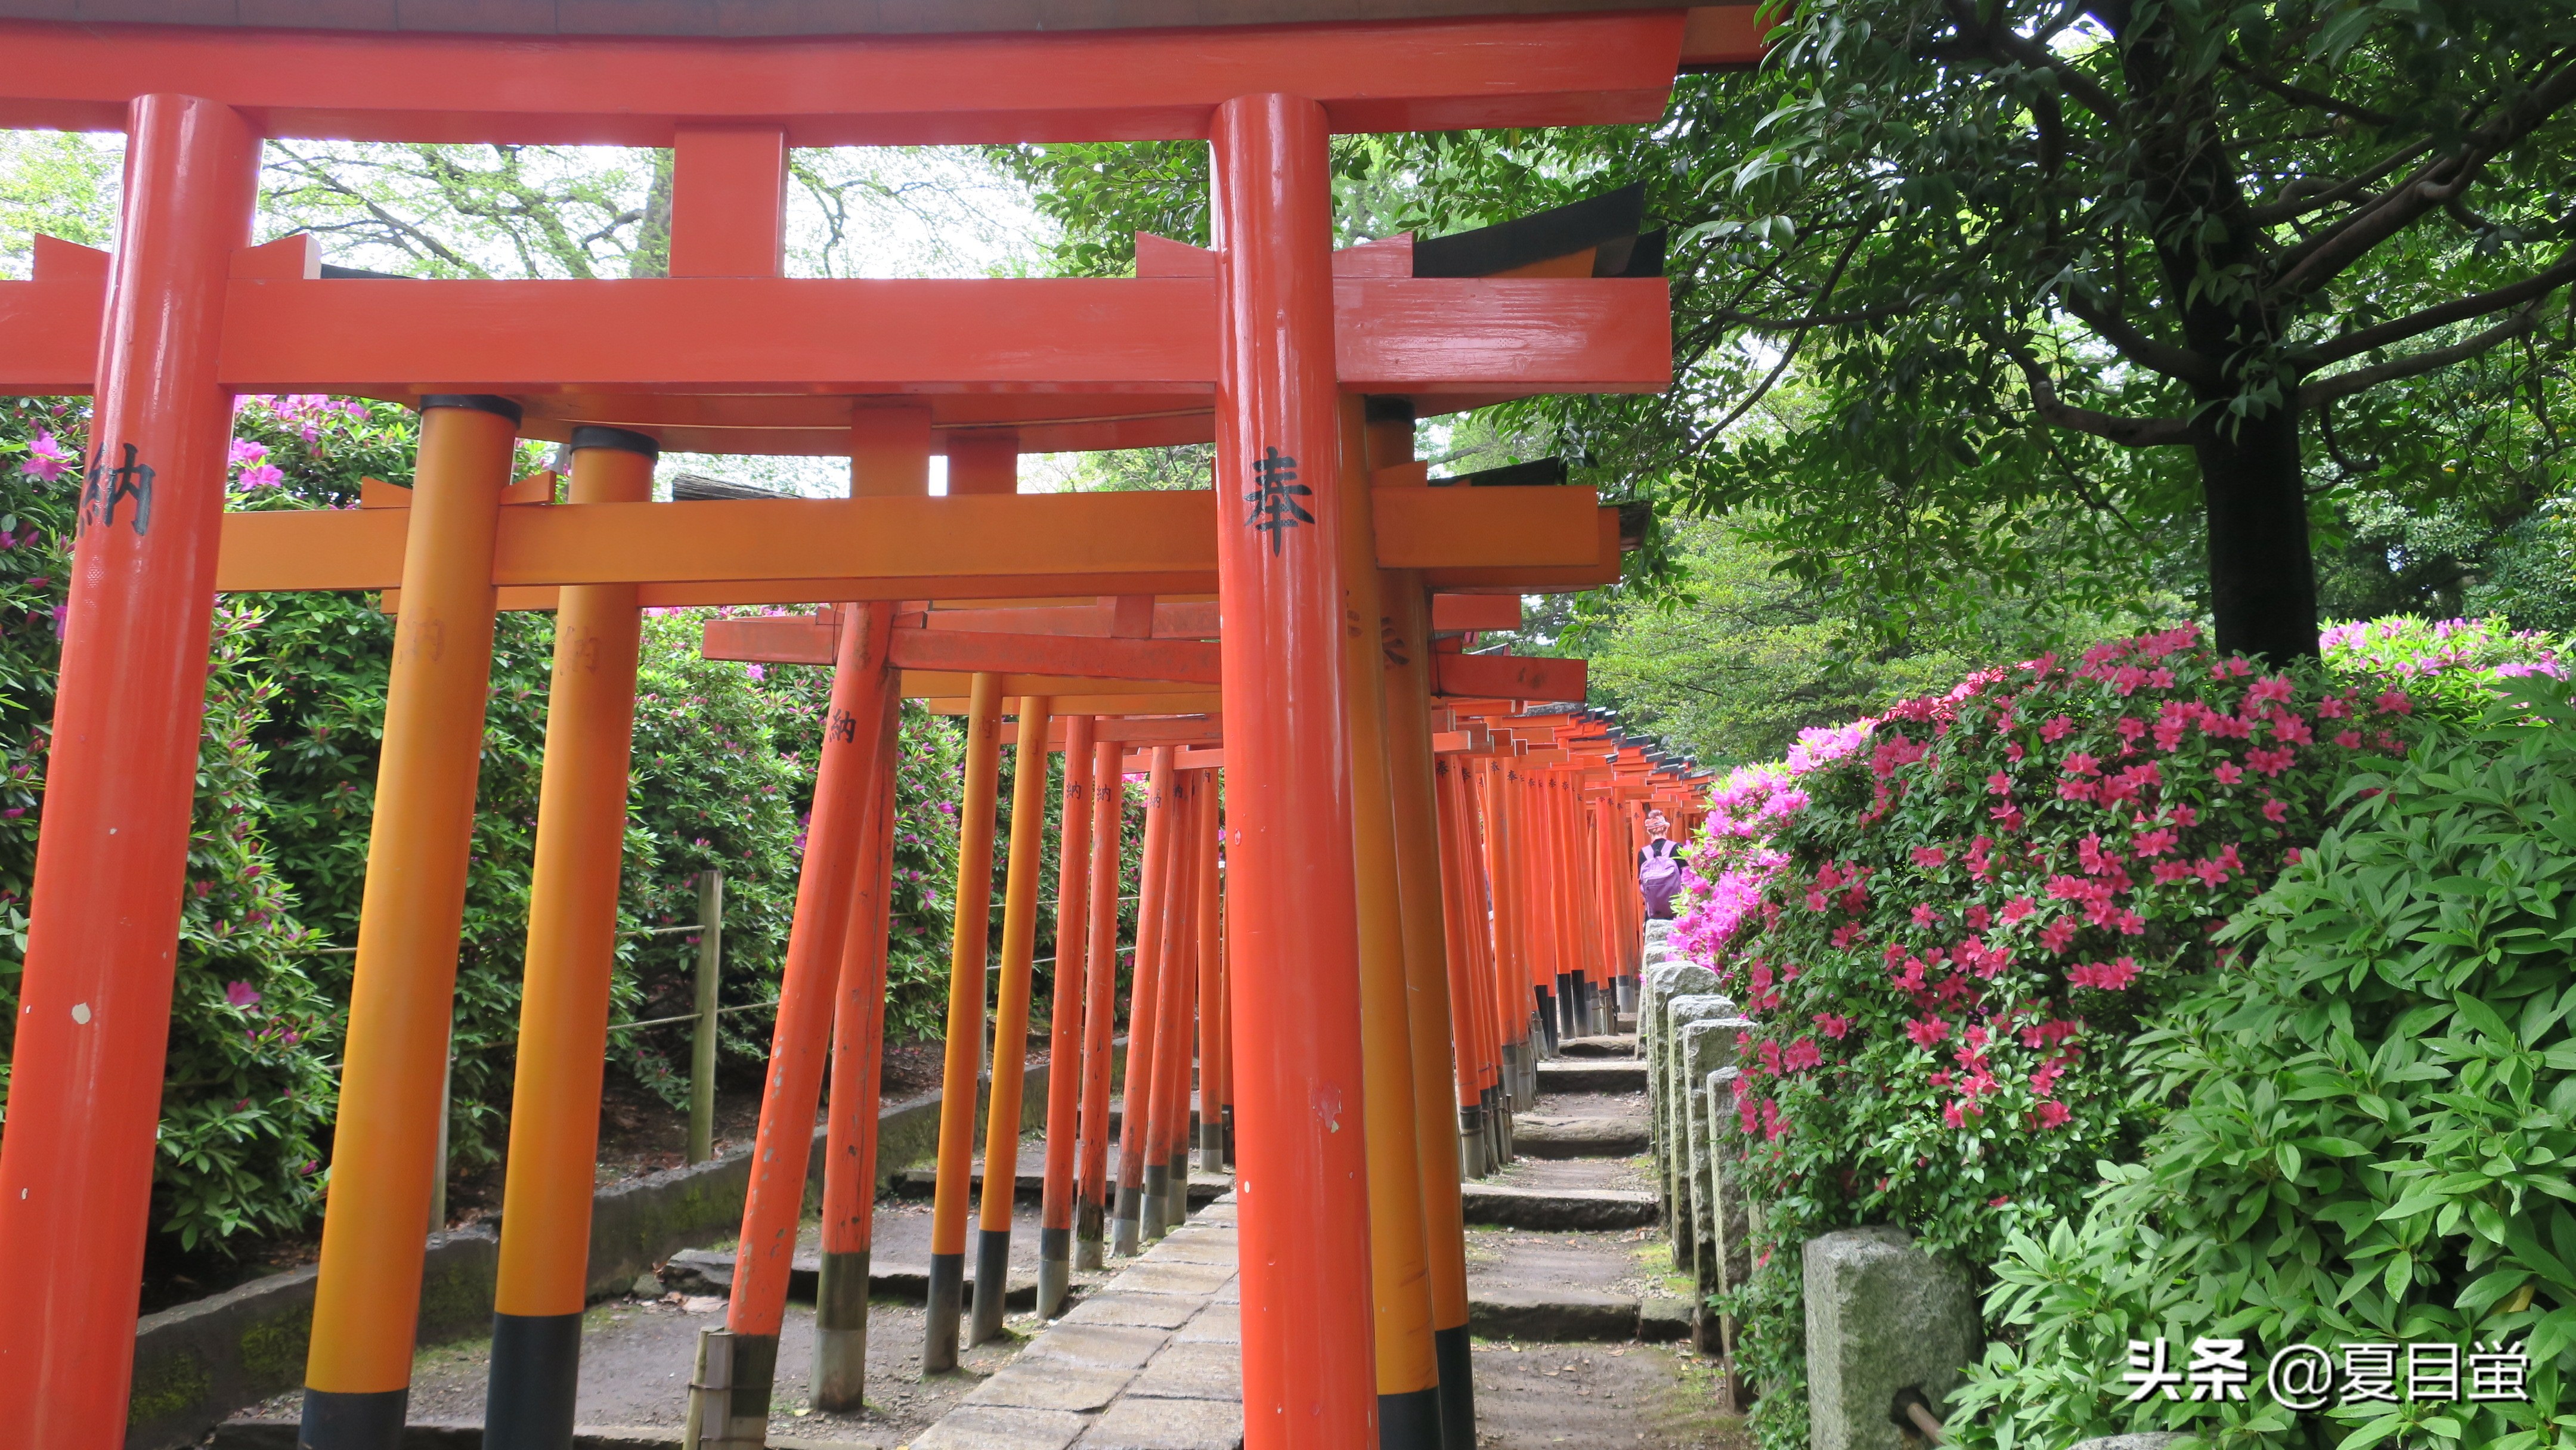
<point>2063,293</point>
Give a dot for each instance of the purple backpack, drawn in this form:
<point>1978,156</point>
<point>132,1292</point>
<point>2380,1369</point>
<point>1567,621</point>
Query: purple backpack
<point>1659,875</point>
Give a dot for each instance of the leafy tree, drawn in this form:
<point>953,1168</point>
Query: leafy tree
<point>2088,279</point>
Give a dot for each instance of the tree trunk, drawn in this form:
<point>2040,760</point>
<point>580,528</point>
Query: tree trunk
<point>2262,579</point>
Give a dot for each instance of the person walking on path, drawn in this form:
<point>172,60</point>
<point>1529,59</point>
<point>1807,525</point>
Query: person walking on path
<point>1659,867</point>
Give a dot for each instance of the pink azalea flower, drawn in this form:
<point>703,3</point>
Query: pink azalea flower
<point>240,994</point>
<point>2227,773</point>
<point>1832,1025</point>
<point>1930,857</point>
<point>2018,909</point>
<point>2057,935</point>
<point>1927,1030</point>
<point>2052,1114</point>
<point>2275,809</point>
<point>47,458</point>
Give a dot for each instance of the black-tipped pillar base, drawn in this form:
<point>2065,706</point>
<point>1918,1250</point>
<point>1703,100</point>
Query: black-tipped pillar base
<point>1155,1199</point>
<point>337,1421</point>
<point>1090,1229</point>
<point>1457,1388</point>
<point>1055,1270</point>
<point>939,1333</point>
<point>992,1285</point>
<point>1126,1226</point>
<point>1176,1191</point>
<point>1409,1421</point>
<point>755,1370</point>
<point>536,1375</point>
<point>841,1333</point>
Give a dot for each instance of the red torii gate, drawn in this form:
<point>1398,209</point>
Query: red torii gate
<point>186,315</point>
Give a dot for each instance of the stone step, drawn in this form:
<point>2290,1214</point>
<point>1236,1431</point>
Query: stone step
<point>1623,1045</point>
<point>1597,1075</point>
<point>1536,1135</point>
<point>1553,1209</point>
<point>710,1271</point>
<point>1569,1316</point>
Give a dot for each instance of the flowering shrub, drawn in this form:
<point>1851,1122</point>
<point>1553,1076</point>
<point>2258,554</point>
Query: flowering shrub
<point>2377,1114</point>
<point>2454,668</point>
<point>1949,923</point>
<point>276,866</point>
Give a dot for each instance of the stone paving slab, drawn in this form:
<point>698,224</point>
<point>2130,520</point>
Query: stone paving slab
<point>1151,1360</point>
<point>996,1427</point>
<point>1143,1424</point>
<point>1194,1372</point>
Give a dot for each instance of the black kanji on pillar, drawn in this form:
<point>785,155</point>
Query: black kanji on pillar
<point>1275,491</point>
<point>104,487</point>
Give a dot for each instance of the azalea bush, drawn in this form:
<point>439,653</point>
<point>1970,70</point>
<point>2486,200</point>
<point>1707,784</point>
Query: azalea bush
<point>2378,1111</point>
<point>724,761</point>
<point>2455,669</point>
<point>1950,923</point>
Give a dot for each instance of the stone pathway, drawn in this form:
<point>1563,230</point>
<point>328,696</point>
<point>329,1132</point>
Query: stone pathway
<point>1576,1318</point>
<point>1151,1360</point>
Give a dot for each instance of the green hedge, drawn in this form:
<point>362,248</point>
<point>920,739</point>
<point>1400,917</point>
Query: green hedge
<point>723,776</point>
<point>2378,1116</point>
<point>1954,925</point>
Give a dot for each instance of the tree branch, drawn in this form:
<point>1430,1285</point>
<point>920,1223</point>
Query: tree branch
<point>2344,385</point>
<point>2529,289</point>
<point>2127,432</point>
<point>2001,43</point>
<point>2319,260</point>
<point>2302,96</point>
<point>2291,206</point>
<point>2181,364</point>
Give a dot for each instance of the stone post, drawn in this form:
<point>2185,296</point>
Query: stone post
<point>1882,1316</point>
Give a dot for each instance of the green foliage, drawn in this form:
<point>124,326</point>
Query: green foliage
<point>2378,1106</point>
<point>277,867</point>
<point>251,1079</point>
<point>1735,659</point>
<point>2456,669</point>
<point>1947,926</point>
<point>1958,290</point>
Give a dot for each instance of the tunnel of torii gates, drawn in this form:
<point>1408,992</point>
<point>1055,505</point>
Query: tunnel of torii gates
<point>1412,868</point>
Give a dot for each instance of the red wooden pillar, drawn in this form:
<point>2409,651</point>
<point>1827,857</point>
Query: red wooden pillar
<point>889,458</point>
<point>848,780</point>
<point>85,1094</point>
<point>1099,1005</point>
<point>1302,1168</point>
<point>1064,1018</point>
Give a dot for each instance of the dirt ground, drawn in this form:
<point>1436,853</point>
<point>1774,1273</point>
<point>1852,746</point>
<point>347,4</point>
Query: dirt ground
<point>1647,1396</point>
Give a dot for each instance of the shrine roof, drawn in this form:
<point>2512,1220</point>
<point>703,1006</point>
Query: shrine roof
<point>747,18</point>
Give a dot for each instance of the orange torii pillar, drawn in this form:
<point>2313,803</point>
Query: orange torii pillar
<point>1065,1025</point>
<point>954,1188</point>
<point>1011,1026</point>
<point>563,1006</point>
<point>1144,1000</point>
<point>889,457</point>
<point>1301,1152</point>
<point>1408,1369</point>
<point>1099,1005</point>
<point>120,792</point>
<point>1404,660</point>
<point>1167,1098</point>
<point>1168,1144</point>
<point>742,1360</point>
<point>1211,991</point>
<point>357,1375</point>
